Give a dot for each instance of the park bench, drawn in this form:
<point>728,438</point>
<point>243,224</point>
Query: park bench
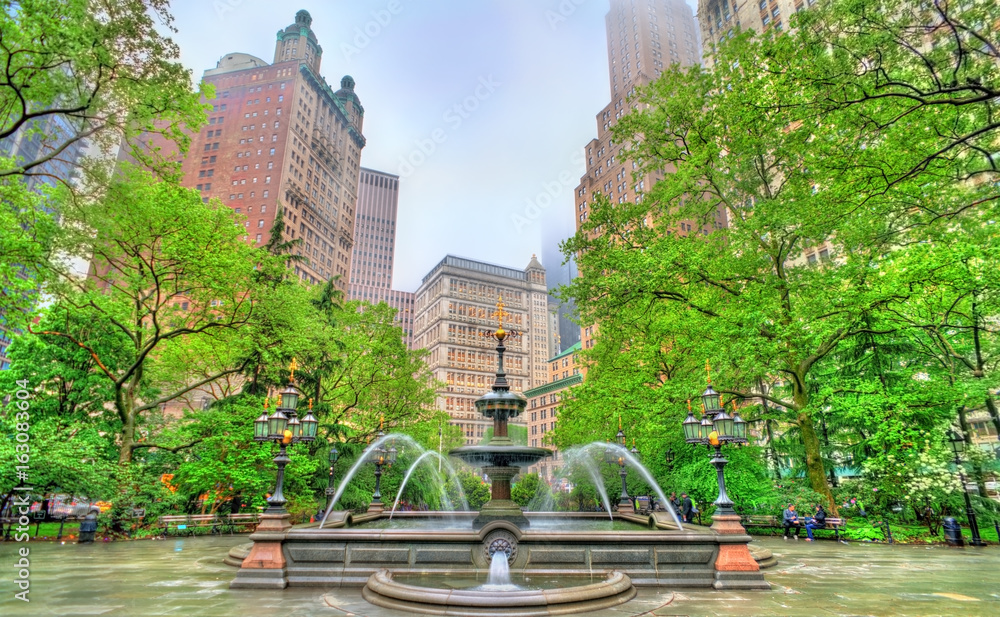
<point>189,522</point>
<point>833,523</point>
<point>239,521</point>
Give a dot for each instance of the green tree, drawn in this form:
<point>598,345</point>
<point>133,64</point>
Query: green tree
<point>167,270</point>
<point>101,71</point>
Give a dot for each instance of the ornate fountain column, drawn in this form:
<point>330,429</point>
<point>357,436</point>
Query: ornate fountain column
<point>500,459</point>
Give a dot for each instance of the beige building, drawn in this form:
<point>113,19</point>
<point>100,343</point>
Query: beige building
<point>456,303</point>
<point>279,134</point>
<point>543,407</point>
<point>644,37</point>
<point>722,19</point>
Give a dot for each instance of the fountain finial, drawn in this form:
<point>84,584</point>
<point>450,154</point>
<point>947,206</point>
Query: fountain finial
<point>500,314</point>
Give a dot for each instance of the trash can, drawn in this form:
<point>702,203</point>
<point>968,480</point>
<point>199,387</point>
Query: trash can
<point>88,526</point>
<point>952,532</point>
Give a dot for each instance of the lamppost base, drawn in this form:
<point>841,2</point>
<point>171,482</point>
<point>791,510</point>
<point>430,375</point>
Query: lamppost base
<point>625,507</point>
<point>734,564</point>
<point>264,566</point>
<point>375,507</point>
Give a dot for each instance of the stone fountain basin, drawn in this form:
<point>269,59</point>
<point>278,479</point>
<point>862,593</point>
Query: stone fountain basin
<point>500,456</point>
<point>382,590</point>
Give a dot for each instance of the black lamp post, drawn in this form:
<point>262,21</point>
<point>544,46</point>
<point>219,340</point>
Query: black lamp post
<point>285,428</point>
<point>715,428</point>
<point>668,457</point>
<point>381,457</point>
<point>614,456</point>
<point>957,447</point>
<point>330,490</point>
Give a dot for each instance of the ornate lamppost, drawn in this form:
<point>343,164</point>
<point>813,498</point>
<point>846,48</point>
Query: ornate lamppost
<point>284,428</point>
<point>380,456</point>
<point>957,447</point>
<point>715,429</point>
<point>613,456</point>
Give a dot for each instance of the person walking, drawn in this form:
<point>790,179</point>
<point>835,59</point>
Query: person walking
<point>686,507</point>
<point>789,519</point>
<point>817,521</point>
<point>673,503</point>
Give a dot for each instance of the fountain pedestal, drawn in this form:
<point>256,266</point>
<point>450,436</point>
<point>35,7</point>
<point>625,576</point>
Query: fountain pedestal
<point>500,507</point>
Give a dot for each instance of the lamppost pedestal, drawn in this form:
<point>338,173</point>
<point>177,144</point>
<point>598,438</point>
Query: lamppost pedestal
<point>264,567</point>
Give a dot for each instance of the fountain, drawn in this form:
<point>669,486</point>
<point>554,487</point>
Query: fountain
<point>500,459</point>
<point>438,562</point>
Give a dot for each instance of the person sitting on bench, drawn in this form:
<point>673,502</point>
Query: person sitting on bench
<point>817,521</point>
<point>790,518</point>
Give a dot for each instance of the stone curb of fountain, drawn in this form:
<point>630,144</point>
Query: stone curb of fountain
<point>383,591</point>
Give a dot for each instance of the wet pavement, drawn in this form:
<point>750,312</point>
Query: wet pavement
<point>187,577</point>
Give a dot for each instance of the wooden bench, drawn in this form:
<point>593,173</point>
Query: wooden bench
<point>833,523</point>
<point>189,522</point>
<point>239,521</point>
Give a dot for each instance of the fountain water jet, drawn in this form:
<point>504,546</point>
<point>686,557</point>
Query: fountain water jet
<point>444,492</point>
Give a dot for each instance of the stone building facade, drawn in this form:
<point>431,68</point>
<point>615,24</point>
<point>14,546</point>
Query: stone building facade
<point>456,303</point>
<point>543,407</point>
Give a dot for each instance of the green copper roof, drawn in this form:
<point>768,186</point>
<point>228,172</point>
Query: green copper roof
<point>569,351</point>
<point>554,386</point>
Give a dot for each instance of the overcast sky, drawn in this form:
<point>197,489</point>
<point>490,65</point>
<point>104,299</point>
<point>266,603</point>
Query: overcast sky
<point>483,108</point>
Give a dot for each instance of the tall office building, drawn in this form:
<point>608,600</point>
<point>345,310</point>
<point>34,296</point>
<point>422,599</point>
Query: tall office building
<point>279,135</point>
<point>375,230</point>
<point>375,245</point>
<point>29,143</point>
<point>455,304</point>
<point>644,37</point>
<point>722,19</point>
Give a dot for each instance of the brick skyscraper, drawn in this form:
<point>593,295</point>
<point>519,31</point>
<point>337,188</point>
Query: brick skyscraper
<point>278,134</point>
<point>643,38</point>
<point>721,19</point>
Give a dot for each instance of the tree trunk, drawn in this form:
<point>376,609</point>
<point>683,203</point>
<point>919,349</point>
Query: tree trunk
<point>128,436</point>
<point>814,456</point>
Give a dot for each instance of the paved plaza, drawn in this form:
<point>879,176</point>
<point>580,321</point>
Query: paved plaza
<point>186,577</point>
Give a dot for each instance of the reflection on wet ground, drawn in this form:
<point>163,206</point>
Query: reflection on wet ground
<point>186,577</point>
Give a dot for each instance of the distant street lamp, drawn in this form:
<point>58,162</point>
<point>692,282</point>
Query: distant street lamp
<point>716,428</point>
<point>668,457</point>
<point>284,428</point>
<point>380,457</point>
<point>330,490</point>
<point>614,456</point>
<point>957,447</point>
